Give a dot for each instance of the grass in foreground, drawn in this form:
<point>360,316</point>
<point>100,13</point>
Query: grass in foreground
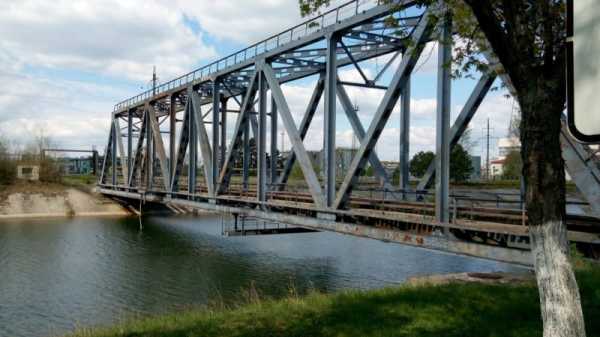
<point>427,311</point>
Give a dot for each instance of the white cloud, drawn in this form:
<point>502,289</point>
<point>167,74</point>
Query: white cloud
<point>117,38</point>
<point>244,21</point>
<point>73,113</point>
<point>124,40</point>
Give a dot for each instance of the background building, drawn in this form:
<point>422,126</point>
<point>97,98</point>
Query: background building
<point>508,145</point>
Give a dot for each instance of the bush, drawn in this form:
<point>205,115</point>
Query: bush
<point>8,171</point>
<point>8,168</point>
<point>512,166</point>
<point>50,171</point>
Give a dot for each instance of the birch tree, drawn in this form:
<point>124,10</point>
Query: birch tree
<point>528,37</point>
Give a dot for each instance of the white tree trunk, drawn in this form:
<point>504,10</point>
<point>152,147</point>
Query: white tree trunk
<point>559,294</point>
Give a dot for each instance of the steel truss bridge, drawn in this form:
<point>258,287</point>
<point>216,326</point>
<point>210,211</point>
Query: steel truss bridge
<point>180,113</point>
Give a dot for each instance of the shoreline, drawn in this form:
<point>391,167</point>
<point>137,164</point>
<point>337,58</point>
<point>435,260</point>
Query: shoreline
<point>27,216</point>
<point>38,200</point>
<point>420,309</point>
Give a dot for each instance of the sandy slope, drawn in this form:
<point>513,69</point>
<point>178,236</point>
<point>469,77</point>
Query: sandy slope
<point>51,200</point>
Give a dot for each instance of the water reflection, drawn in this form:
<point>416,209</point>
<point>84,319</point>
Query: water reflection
<point>60,274</point>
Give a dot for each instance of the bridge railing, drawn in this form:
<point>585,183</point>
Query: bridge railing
<point>336,15</point>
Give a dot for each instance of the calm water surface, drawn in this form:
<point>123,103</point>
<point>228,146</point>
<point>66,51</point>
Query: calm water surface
<point>57,275</point>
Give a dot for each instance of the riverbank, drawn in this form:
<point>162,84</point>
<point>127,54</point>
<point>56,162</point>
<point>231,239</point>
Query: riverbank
<point>24,200</point>
<point>455,307</point>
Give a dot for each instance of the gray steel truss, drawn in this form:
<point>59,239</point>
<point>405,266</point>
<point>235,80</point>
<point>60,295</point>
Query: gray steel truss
<point>239,176</point>
<point>462,121</point>
<point>359,131</point>
<point>420,37</point>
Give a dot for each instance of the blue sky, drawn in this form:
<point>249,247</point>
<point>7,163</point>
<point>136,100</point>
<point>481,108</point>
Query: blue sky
<point>65,64</point>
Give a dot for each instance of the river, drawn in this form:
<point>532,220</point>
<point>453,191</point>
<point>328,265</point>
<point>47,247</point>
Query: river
<point>58,275</point>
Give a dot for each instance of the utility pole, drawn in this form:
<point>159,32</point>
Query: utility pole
<point>487,136</point>
<point>282,142</point>
<point>487,160</point>
<point>154,80</point>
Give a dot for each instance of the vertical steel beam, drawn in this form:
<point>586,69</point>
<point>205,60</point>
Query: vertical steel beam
<point>103,173</point>
<point>297,146</point>
<point>149,159</point>
<point>138,159</point>
<point>442,147</point>
<point>261,140</point>
<point>172,134</point>
<point>129,144</point>
<point>119,139</point>
<point>329,128</point>
<point>193,145</point>
<point>462,121</point>
<point>158,146</point>
<point>246,154</point>
<point>216,100</point>
<point>359,131</point>
<point>404,173</point>
<point>253,123</point>
<point>223,148</point>
<point>236,139</point>
<point>182,146</point>
<point>113,152</point>
<point>273,175</point>
<point>302,130</point>
<point>204,141</point>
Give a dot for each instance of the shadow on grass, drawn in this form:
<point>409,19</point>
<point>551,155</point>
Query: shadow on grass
<point>454,310</point>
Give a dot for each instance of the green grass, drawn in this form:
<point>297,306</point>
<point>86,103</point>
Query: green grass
<point>507,184</point>
<point>83,181</point>
<point>454,310</point>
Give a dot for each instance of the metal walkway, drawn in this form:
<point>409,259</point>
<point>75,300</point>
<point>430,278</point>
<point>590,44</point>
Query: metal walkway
<point>156,156</point>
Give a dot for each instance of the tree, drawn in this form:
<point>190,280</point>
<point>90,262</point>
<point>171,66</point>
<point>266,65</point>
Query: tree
<point>8,170</point>
<point>513,166</point>
<point>368,172</point>
<point>420,162</point>
<point>529,39</point>
<point>461,166</point>
<point>466,141</point>
<point>49,167</point>
<point>296,172</point>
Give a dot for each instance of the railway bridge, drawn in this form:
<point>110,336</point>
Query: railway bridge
<point>173,144</point>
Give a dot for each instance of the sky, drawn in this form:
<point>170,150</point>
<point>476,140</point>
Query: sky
<point>64,65</point>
